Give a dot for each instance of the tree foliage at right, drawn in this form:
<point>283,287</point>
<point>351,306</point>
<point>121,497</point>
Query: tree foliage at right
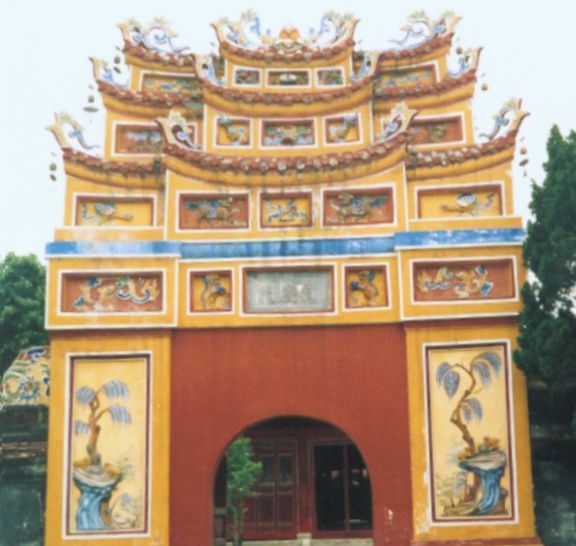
<point>547,342</point>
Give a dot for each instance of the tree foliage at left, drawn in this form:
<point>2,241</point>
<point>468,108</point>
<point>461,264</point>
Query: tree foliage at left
<point>22,292</point>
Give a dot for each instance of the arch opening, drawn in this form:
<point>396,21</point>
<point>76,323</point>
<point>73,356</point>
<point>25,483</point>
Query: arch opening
<point>314,486</point>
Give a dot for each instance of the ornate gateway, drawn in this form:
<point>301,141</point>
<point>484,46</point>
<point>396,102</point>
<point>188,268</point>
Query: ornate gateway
<point>303,243</point>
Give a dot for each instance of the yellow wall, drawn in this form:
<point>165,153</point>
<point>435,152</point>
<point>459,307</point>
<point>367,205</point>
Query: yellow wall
<point>417,337</point>
<point>62,348</point>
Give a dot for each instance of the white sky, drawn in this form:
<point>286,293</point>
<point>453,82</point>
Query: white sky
<point>528,52</point>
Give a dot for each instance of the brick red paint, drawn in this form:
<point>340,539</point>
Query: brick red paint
<point>225,380</point>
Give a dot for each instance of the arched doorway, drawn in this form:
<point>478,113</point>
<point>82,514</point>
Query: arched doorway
<point>314,486</point>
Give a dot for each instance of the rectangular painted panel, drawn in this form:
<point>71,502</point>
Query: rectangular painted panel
<point>471,469</point>
<point>464,280</point>
<point>138,139</point>
<point>210,291</point>
<point>461,202</point>
<point>108,446</point>
<point>288,78</point>
<point>328,77</point>
<point>288,290</point>
<point>366,286</point>
<point>281,210</point>
<point>342,129</point>
<point>169,84</point>
<point>436,131</point>
<point>232,132</point>
<point>96,292</point>
<point>355,207</point>
<point>407,77</point>
<point>288,133</point>
<point>213,211</point>
<point>106,211</point>
<point>246,76</point>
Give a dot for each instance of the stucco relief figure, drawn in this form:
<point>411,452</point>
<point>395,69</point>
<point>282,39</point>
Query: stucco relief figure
<point>219,212</point>
<point>365,287</point>
<point>288,134</point>
<point>214,294</point>
<point>286,212</point>
<point>471,466</point>
<point>469,204</point>
<point>103,212</point>
<point>354,208</point>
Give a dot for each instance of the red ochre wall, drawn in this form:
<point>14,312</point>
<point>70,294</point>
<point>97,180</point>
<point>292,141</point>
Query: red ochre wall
<point>225,380</point>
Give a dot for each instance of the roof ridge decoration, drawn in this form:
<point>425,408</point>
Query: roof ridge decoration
<point>421,28</point>
<point>61,134</point>
<point>104,72</point>
<point>246,35</point>
<point>157,36</point>
<point>397,121</point>
<point>468,60</point>
<point>176,131</point>
<point>510,115</point>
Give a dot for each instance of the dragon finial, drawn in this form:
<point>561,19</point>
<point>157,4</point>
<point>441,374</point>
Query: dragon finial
<point>177,131</point>
<point>510,116</point>
<point>62,120</point>
<point>157,36</point>
<point>468,60</point>
<point>420,27</point>
<point>396,122</point>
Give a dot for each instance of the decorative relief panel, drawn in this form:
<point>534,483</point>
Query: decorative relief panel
<point>288,78</point>
<point>329,77</point>
<point>108,459</point>
<point>210,291</point>
<point>213,211</point>
<point>247,76</point>
<point>282,210</point>
<point>357,207</point>
<point>366,287</point>
<point>464,280</point>
<point>138,139</point>
<point>288,133</point>
<point>289,290</point>
<point>169,84</point>
<point>232,132</point>
<point>112,292</point>
<point>436,131</point>
<point>343,129</point>
<point>407,77</point>
<point>103,211</point>
<point>469,433</point>
<point>485,200</point>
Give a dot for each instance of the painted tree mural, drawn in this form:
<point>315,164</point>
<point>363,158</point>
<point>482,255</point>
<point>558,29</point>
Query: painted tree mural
<point>96,480</point>
<point>484,460</point>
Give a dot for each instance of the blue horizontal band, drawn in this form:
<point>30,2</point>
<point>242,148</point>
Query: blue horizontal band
<point>287,248</point>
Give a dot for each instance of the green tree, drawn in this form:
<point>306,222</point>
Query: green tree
<point>243,473</point>
<point>547,342</point>
<point>22,280</point>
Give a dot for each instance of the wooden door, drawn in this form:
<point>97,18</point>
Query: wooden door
<point>272,509</point>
